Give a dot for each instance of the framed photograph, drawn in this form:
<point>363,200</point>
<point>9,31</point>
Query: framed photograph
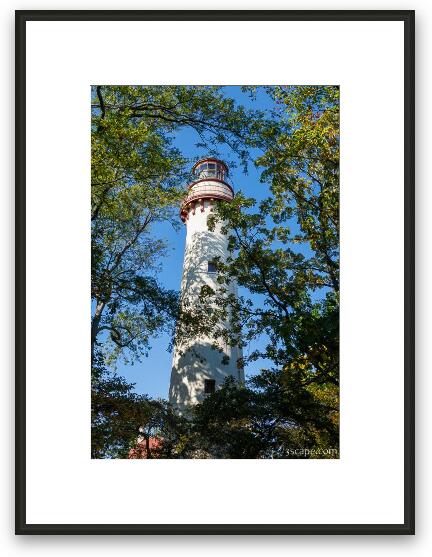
<point>215,272</point>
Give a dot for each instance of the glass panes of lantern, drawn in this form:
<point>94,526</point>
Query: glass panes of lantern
<point>210,170</point>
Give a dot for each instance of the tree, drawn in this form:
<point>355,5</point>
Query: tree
<point>137,181</point>
<point>112,399</point>
<point>122,419</point>
<point>284,253</point>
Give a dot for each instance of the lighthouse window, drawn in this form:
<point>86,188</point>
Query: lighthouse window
<point>200,168</point>
<point>209,386</point>
<point>211,267</point>
<point>211,169</point>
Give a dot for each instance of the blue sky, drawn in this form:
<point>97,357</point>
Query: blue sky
<point>152,375</point>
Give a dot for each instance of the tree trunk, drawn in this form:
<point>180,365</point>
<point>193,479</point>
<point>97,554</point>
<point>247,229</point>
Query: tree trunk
<point>148,451</point>
<point>100,306</point>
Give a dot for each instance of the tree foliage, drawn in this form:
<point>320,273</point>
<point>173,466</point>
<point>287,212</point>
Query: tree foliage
<point>137,177</point>
<point>284,252</point>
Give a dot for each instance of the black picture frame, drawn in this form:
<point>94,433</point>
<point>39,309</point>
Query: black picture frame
<point>22,17</point>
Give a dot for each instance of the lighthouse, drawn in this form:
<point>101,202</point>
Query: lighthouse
<point>199,369</point>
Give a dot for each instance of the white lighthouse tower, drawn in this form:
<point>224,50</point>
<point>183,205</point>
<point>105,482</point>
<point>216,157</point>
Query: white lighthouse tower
<point>198,369</point>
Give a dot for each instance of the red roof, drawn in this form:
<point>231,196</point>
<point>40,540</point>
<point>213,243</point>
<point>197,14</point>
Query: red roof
<point>140,450</point>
